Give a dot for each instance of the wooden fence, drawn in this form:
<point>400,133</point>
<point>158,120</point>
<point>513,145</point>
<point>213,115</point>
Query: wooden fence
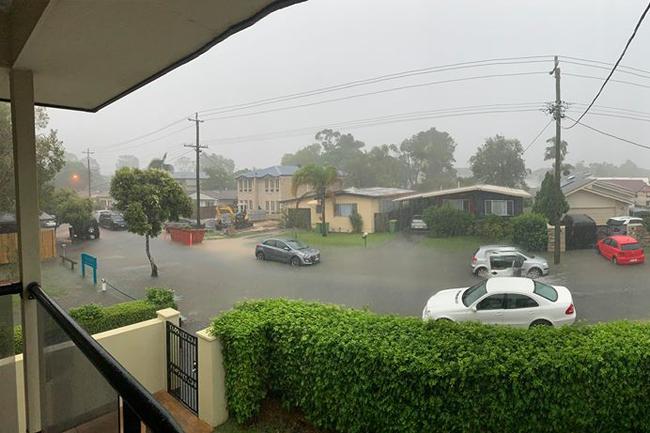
<point>9,246</point>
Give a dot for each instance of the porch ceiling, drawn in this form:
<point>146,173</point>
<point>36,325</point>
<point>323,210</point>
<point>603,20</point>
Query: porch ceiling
<point>86,54</point>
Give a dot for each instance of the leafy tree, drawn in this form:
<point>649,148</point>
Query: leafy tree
<point>74,175</point>
<point>72,209</point>
<point>148,198</point>
<point>549,154</point>
<point>49,156</point>
<point>499,162</point>
<point>127,161</point>
<point>307,155</point>
<point>220,171</point>
<point>320,179</point>
<point>550,200</point>
<point>160,164</point>
<point>429,159</point>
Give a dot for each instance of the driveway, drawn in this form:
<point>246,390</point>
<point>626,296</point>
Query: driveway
<point>397,277</point>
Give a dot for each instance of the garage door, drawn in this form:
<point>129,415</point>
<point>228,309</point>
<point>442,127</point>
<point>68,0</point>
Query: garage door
<point>599,215</point>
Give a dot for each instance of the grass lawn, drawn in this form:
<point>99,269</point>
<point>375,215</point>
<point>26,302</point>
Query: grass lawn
<point>458,243</point>
<point>315,239</point>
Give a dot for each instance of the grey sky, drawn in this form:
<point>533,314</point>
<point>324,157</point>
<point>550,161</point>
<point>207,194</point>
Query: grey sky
<point>325,42</point>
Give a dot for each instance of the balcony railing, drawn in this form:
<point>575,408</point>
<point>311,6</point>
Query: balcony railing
<point>83,386</point>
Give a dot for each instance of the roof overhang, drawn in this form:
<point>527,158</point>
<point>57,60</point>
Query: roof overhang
<point>514,192</point>
<point>87,54</point>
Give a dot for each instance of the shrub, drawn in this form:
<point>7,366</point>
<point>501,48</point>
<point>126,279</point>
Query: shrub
<point>530,231</point>
<point>493,227</point>
<point>444,221</point>
<point>95,318</point>
<point>353,371</point>
<point>357,222</point>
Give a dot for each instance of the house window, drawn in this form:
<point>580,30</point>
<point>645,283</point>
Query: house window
<point>457,203</point>
<point>500,207</point>
<point>277,184</point>
<point>239,185</point>
<point>345,210</point>
<point>272,207</point>
<point>250,204</point>
<point>266,185</point>
<point>266,206</point>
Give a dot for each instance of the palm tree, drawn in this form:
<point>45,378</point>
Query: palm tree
<point>320,179</point>
<point>160,164</point>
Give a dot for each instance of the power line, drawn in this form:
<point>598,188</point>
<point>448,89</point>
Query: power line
<point>378,79</point>
<point>148,142</point>
<point>578,122</point>
<point>636,74</point>
<point>119,143</point>
<point>537,136</point>
<point>377,92</point>
<point>581,59</point>
<point>629,41</point>
<point>631,83</point>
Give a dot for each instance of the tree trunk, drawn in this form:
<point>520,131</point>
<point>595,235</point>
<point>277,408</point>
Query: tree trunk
<point>323,228</point>
<point>154,267</point>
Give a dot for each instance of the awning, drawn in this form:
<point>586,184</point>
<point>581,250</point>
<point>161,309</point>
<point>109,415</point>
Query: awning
<point>86,54</point>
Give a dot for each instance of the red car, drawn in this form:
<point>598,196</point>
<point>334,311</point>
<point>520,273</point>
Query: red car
<point>621,250</point>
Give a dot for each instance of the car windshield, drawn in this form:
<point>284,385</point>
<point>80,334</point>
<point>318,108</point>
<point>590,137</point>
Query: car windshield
<point>545,291</point>
<point>615,223</point>
<point>473,293</point>
<point>631,247</point>
<point>296,244</point>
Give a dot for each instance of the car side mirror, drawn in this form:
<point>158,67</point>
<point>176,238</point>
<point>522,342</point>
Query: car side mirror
<point>287,249</point>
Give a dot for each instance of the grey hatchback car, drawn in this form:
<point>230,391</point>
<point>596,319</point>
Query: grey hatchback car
<point>290,251</point>
<point>532,267</point>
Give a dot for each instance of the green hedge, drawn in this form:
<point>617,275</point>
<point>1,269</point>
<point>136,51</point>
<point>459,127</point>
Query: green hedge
<point>354,371</point>
<point>530,231</point>
<point>445,221</point>
<point>95,318</point>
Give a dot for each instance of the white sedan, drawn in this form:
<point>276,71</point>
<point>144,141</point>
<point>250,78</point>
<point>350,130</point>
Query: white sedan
<point>504,301</point>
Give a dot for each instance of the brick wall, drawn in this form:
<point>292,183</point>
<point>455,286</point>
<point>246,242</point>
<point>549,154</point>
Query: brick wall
<point>551,239</point>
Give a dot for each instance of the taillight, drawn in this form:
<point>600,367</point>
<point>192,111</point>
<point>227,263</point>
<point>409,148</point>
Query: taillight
<point>570,310</point>
<point>474,260</point>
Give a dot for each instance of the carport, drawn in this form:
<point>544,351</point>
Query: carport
<point>84,55</point>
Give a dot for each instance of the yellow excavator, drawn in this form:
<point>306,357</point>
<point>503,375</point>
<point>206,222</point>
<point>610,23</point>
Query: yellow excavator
<point>227,216</point>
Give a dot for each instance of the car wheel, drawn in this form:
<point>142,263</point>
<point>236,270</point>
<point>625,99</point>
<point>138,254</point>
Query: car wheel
<point>444,319</point>
<point>295,261</point>
<point>598,251</point>
<point>614,260</point>
<point>482,272</point>
<point>541,322</point>
<point>260,255</point>
<point>534,273</point>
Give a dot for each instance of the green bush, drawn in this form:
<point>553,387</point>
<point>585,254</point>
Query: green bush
<point>493,227</point>
<point>445,221</point>
<point>530,231</point>
<point>357,222</point>
<point>353,371</point>
<point>95,318</point>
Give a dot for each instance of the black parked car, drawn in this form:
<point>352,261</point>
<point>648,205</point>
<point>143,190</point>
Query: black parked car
<point>112,221</point>
<point>86,230</point>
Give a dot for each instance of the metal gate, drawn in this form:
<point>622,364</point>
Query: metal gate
<point>183,366</point>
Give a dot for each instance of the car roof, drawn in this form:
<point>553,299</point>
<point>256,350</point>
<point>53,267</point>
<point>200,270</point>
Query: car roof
<point>625,218</point>
<point>622,239</point>
<point>491,247</point>
<point>510,285</point>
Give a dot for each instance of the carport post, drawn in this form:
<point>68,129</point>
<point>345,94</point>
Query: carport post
<point>27,216</point>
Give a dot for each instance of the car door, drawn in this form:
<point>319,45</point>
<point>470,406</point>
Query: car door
<point>520,310</point>
<point>491,309</point>
<point>283,251</point>
<point>606,249</point>
<point>501,265</point>
<point>269,248</point>
<point>614,249</point>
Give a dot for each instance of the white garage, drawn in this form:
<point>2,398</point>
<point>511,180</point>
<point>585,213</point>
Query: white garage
<point>598,199</point>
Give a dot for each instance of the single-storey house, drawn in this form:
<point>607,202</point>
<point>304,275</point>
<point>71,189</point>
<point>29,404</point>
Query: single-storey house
<point>479,200</point>
<point>369,203</point>
<point>597,198</point>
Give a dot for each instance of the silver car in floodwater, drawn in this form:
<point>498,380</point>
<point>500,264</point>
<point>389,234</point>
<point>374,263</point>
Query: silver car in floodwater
<point>532,267</point>
<point>290,251</point>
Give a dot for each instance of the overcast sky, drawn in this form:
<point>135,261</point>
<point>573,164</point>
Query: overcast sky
<point>327,42</point>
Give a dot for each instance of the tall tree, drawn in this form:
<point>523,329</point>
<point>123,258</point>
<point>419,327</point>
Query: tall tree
<point>307,155</point>
<point>160,164</point>
<point>550,200</point>
<point>320,179</point>
<point>148,198</point>
<point>429,159</point>
<point>49,156</point>
<point>130,161</point>
<point>74,175</point>
<point>549,154</point>
<point>72,209</point>
<point>220,171</point>
<point>500,162</point>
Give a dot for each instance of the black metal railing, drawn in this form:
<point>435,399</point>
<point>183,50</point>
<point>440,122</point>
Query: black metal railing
<point>183,366</point>
<point>138,405</point>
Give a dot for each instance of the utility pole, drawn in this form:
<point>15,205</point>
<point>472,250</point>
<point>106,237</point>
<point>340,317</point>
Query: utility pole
<point>88,153</point>
<point>557,114</point>
<point>197,147</point>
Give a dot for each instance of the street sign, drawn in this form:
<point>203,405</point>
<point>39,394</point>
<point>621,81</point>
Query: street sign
<point>88,260</point>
